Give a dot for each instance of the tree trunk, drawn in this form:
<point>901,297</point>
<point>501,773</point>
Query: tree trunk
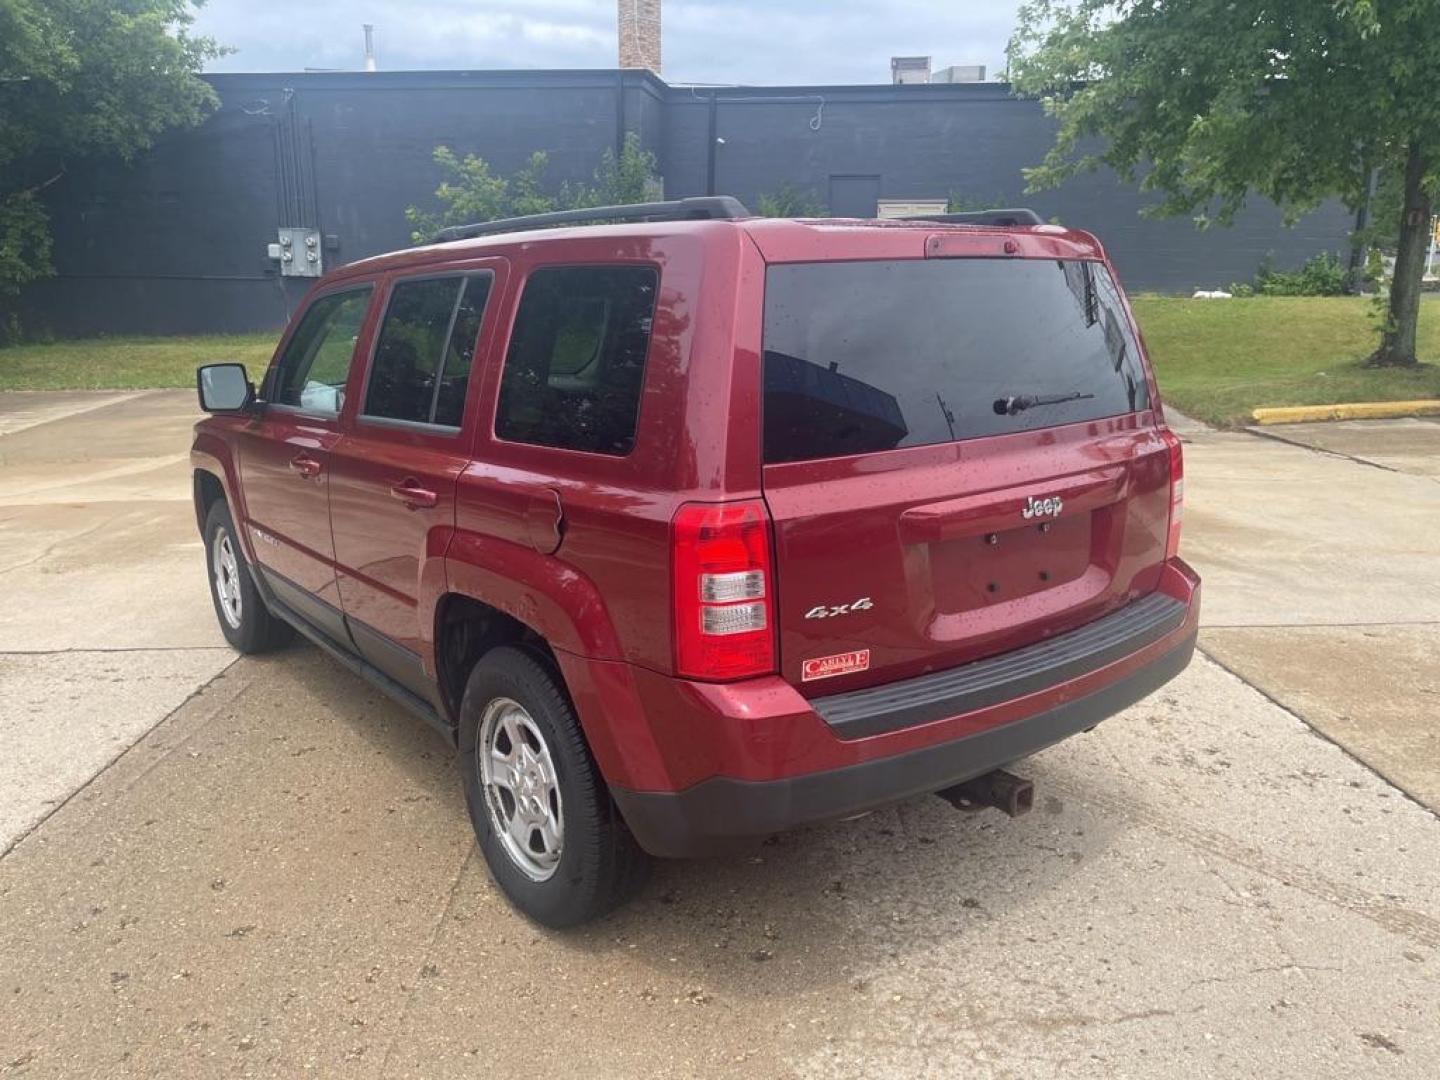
<point>1359,243</point>
<point>1397,347</point>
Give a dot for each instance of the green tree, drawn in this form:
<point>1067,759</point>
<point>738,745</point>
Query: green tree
<point>618,181</point>
<point>1207,101</point>
<point>85,79</point>
<point>471,192</point>
<point>790,201</point>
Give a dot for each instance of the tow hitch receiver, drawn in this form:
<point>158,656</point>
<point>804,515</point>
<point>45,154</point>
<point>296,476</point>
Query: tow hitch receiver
<point>1012,794</point>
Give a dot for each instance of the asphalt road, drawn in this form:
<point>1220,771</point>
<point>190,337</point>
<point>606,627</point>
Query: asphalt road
<point>261,868</point>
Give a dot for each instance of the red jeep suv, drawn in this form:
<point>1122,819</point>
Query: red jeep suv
<point>686,526</point>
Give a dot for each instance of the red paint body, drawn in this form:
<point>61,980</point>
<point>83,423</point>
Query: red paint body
<point>577,546</point>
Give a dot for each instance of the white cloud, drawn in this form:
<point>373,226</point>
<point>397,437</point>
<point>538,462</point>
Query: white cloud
<point>750,41</point>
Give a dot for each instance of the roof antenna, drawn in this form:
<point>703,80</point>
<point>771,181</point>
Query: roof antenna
<point>369,46</point>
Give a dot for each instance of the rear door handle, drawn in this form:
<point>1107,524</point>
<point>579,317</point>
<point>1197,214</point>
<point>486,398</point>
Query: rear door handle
<point>413,495</point>
<point>305,465</point>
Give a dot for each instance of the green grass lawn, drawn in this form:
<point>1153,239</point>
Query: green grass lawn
<point>1218,359</point>
<point>127,363</point>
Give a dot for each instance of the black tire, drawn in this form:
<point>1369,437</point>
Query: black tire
<point>255,630</point>
<point>599,864</point>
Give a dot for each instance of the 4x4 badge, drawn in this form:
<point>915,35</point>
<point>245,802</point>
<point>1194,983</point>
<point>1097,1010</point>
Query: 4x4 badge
<point>1035,508</point>
<point>829,611</point>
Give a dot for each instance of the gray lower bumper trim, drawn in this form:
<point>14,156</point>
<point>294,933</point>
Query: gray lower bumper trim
<point>1014,674</point>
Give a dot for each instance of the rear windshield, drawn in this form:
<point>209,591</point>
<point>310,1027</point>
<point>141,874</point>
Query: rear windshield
<point>868,356</point>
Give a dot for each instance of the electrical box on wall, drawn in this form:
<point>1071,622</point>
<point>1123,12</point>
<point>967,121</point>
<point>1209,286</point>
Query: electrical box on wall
<point>299,253</point>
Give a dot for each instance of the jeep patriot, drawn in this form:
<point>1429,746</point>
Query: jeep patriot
<point>685,527</point>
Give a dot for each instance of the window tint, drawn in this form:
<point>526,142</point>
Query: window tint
<point>425,348</point>
<point>311,373</point>
<point>868,356</point>
<point>460,352</point>
<point>577,358</point>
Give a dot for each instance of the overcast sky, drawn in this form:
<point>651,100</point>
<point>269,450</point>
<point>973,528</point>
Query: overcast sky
<point>720,41</point>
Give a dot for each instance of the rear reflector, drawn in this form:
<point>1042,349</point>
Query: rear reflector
<point>723,592</point>
<point>1177,493</point>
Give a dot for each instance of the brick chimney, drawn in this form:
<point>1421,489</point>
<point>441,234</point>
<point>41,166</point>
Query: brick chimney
<point>639,27</point>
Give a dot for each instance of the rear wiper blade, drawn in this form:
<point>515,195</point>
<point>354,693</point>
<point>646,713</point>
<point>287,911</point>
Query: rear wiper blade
<point>1009,406</point>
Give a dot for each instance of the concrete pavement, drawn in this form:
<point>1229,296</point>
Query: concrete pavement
<point>1400,445</point>
<point>106,626</point>
<point>278,879</point>
<point>1321,557</point>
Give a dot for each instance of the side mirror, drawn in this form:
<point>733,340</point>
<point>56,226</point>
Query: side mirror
<point>224,388</point>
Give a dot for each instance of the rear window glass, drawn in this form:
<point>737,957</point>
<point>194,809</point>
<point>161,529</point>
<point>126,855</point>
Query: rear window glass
<point>577,358</point>
<point>862,357</point>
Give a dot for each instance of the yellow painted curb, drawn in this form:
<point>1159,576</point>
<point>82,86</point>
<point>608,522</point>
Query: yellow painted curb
<point>1362,410</point>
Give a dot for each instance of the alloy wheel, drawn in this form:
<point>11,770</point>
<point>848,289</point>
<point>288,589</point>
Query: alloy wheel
<point>227,577</point>
<point>522,792</point>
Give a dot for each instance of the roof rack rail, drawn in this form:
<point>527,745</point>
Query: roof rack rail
<point>1017,216</point>
<point>700,208</point>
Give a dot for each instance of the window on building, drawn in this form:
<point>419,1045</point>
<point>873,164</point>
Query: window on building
<point>576,363</point>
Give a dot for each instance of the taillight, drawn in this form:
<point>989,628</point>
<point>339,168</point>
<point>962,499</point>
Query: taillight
<point>724,591</point>
<point>1177,493</point>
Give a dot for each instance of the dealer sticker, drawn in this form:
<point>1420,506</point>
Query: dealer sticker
<point>827,667</point>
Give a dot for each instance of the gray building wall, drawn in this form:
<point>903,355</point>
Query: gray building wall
<point>176,242</point>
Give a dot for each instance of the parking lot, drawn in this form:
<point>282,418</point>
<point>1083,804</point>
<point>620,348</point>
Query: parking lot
<point>261,867</point>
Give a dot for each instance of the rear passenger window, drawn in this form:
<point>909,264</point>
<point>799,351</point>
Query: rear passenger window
<point>460,352</point>
<point>577,358</point>
<point>312,372</point>
<point>425,349</point>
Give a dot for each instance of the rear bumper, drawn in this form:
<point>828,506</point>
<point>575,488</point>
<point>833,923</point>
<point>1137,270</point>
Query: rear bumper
<point>699,769</point>
<point>718,814</point>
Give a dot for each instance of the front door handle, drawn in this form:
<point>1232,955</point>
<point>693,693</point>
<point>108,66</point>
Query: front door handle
<point>413,495</point>
<point>305,465</point>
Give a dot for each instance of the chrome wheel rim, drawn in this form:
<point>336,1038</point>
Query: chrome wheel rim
<point>226,569</point>
<point>522,794</point>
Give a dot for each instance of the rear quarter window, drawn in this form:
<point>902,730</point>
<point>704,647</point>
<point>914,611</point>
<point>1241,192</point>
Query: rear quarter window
<point>862,357</point>
<point>576,362</point>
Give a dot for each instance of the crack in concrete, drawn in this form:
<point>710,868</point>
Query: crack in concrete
<point>1276,437</point>
<point>1413,925</point>
<point>1317,732</point>
<point>50,549</point>
<point>1269,969</point>
<point>56,807</point>
<point>425,962</point>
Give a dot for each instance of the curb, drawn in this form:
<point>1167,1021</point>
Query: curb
<point>1364,410</point>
